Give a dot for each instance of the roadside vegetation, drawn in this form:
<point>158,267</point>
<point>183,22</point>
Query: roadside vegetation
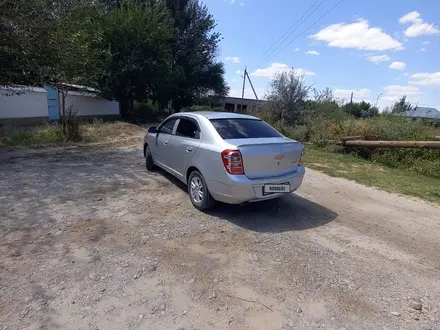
<point>49,134</point>
<point>147,55</point>
<point>395,180</point>
<point>317,119</point>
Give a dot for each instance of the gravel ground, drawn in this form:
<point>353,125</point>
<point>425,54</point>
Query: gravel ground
<point>90,240</point>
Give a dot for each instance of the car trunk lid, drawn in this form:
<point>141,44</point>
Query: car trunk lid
<point>268,157</point>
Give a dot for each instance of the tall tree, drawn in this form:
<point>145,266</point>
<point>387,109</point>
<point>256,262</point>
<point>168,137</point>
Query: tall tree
<point>401,106</point>
<point>287,96</point>
<point>137,43</point>
<point>195,72</point>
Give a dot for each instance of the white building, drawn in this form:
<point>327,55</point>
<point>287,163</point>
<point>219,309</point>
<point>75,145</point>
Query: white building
<point>30,105</point>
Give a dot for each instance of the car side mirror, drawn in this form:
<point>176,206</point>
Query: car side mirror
<point>153,129</point>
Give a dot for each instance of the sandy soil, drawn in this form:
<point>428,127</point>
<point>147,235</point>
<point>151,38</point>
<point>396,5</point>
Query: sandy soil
<point>90,240</point>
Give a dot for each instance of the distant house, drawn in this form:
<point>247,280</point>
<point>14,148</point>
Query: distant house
<point>430,114</point>
<point>233,104</point>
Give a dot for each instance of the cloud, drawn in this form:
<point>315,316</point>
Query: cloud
<point>358,94</point>
<point>418,27</point>
<point>248,93</point>
<point>425,78</point>
<point>423,49</point>
<point>242,4</point>
<point>274,68</point>
<point>398,65</point>
<point>312,52</point>
<point>233,79</point>
<point>297,49</point>
<point>234,59</point>
<point>238,72</point>
<point>426,42</point>
<point>412,17</point>
<point>379,58</point>
<point>393,93</point>
<point>358,35</point>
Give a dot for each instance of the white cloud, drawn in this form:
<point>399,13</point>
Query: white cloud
<point>426,42</point>
<point>233,79</point>
<point>238,72</point>
<point>358,35</point>
<point>417,27</point>
<point>379,58</point>
<point>358,94</point>
<point>297,49</point>
<point>312,52</point>
<point>248,93</point>
<point>242,4</point>
<point>412,17</point>
<point>395,92</point>
<point>398,65</point>
<point>423,49</point>
<point>274,68</point>
<point>234,59</point>
<point>426,78</point>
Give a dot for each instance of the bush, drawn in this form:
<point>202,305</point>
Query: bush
<point>16,136</point>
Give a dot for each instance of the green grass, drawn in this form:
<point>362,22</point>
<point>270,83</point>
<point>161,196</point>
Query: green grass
<point>396,180</point>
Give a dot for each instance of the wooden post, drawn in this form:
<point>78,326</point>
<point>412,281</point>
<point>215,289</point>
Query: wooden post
<point>391,144</point>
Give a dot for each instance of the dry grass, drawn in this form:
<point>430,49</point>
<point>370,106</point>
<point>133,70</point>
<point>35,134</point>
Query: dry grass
<point>50,134</point>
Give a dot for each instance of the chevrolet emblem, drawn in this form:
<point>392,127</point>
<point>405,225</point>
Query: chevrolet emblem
<point>279,157</point>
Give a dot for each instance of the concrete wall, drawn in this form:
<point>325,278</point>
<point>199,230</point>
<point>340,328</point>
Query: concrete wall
<point>30,103</point>
<point>88,105</point>
<point>233,104</point>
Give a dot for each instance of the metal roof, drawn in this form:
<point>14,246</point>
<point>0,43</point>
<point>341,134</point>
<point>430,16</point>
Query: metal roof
<point>423,112</point>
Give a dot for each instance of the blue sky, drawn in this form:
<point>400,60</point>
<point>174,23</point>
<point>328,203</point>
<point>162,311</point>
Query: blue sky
<point>368,47</point>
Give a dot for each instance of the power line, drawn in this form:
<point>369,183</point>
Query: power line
<point>291,27</point>
<point>308,28</point>
<point>291,33</point>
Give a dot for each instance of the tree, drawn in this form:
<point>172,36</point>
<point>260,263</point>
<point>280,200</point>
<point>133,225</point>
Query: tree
<point>401,106</point>
<point>26,48</point>
<point>287,96</point>
<point>195,73</point>
<point>137,43</point>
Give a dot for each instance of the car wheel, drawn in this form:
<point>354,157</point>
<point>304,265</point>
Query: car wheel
<point>149,163</point>
<point>198,192</point>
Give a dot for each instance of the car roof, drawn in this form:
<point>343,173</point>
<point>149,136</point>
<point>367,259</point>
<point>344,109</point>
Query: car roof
<point>217,115</point>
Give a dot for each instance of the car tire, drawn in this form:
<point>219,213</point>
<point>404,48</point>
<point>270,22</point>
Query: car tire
<point>149,162</point>
<point>197,183</point>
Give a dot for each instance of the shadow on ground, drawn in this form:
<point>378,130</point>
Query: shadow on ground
<point>287,213</point>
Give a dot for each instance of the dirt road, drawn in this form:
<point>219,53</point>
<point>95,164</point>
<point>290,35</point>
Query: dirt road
<point>90,240</point>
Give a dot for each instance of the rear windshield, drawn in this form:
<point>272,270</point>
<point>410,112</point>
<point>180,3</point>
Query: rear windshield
<point>242,128</point>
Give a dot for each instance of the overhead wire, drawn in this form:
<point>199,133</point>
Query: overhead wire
<point>290,28</point>
<point>308,28</point>
<point>291,33</point>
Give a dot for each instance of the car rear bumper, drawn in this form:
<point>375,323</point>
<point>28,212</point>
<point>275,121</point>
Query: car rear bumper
<point>239,189</point>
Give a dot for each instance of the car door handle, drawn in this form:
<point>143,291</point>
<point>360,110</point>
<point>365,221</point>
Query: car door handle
<point>189,149</point>
<point>165,142</point>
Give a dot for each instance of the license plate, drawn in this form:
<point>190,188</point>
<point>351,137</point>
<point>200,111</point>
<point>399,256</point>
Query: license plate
<point>276,188</point>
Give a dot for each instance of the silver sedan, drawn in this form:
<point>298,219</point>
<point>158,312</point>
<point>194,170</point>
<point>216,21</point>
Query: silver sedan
<point>226,157</point>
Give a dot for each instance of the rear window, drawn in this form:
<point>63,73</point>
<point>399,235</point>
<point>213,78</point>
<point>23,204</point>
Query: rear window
<point>242,128</point>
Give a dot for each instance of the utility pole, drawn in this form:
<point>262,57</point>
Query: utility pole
<point>250,82</point>
<point>377,100</point>
<point>244,84</point>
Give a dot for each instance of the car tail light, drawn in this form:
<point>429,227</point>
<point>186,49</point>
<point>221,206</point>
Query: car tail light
<point>301,160</point>
<point>233,161</point>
